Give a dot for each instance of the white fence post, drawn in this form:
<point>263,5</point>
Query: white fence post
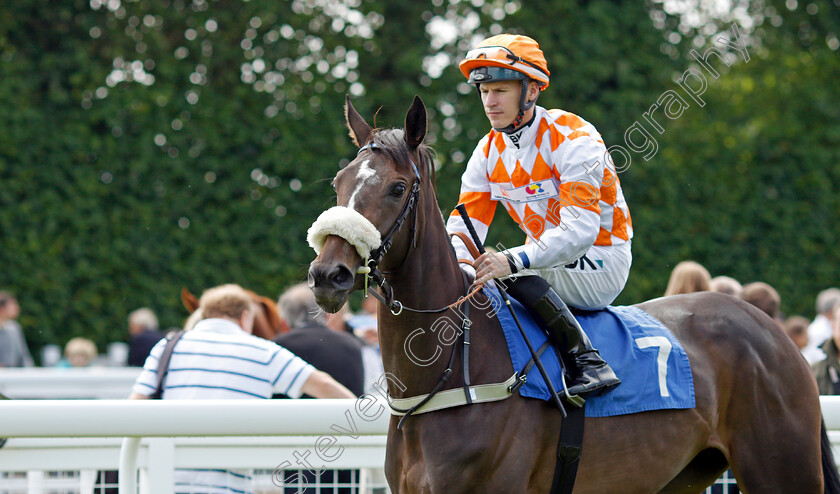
<point>35,482</point>
<point>128,465</point>
<point>161,466</point>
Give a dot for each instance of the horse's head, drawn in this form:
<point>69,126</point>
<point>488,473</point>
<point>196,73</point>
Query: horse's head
<point>377,194</point>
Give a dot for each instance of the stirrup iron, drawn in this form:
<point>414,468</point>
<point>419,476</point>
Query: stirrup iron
<point>575,400</point>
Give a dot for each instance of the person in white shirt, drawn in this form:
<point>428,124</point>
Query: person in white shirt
<point>219,358</point>
<point>820,328</point>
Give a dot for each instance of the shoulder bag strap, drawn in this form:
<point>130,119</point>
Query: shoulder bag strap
<point>163,363</point>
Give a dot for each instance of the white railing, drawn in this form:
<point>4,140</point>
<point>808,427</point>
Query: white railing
<point>156,437</point>
<point>336,434</point>
<point>157,459</point>
<point>38,383</point>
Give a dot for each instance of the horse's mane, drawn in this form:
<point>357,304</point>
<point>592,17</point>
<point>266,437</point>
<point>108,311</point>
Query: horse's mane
<point>392,142</point>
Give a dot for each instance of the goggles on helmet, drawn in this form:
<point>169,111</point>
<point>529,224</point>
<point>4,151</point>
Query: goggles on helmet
<point>491,74</point>
<point>498,55</point>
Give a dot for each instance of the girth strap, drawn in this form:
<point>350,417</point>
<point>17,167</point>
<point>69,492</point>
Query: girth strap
<point>480,393</point>
<point>568,451</point>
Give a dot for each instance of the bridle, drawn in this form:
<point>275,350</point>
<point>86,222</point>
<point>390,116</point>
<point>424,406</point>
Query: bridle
<point>413,194</point>
<point>370,270</point>
<point>370,267</point>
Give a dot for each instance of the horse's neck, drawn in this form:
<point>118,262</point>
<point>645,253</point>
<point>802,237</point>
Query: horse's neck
<point>416,348</point>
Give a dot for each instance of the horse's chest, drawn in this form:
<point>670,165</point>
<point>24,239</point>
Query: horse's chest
<point>454,462</point>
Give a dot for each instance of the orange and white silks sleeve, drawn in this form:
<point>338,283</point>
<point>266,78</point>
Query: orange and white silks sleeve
<point>475,195</point>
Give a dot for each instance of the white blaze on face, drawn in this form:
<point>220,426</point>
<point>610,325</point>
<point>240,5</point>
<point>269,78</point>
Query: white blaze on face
<point>366,175</point>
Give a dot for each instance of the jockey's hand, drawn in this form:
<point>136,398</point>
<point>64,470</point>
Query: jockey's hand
<point>491,265</point>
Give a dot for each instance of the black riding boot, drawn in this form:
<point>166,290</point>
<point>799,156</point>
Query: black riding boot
<point>593,374</point>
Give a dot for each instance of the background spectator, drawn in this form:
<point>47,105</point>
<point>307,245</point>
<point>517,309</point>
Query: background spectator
<point>725,284</point>
<point>827,370</point>
<point>364,323</point>
<point>219,358</point>
<point>144,333</point>
<point>763,296</point>
<point>50,355</point>
<point>338,320</point>
<point>78,352</point>
<point>366,327</point>
<point>796,328</point>
<point>820,328</point>
<point>688,277</point>
<point>13,349</point>
<point>337,353</point>
<point>330,348</point>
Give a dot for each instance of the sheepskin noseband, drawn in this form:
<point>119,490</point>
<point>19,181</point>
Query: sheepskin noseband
<point>348,224</point>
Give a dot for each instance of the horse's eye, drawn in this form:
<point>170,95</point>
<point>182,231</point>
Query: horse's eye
<point>398,190</point>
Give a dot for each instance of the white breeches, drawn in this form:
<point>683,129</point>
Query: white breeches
<point>593,281</point>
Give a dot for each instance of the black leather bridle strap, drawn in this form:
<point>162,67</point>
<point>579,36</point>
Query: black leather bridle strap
<point>413,196</point>
<point>377,255</point>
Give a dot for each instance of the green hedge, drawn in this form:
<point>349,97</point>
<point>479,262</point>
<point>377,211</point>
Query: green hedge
<point>115,193</point>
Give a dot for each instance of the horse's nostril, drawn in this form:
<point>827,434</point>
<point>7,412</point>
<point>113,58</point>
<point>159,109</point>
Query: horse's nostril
<point>317,277</point>
<point>341,277</point>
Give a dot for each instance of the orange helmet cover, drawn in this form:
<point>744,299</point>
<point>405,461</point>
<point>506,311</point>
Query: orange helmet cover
<point>509,51</point>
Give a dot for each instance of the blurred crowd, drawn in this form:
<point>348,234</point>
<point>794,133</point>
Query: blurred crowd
<point>346,343</point>
<point>817,339</point>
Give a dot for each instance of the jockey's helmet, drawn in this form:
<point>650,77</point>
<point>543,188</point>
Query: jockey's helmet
<point>507,57</point>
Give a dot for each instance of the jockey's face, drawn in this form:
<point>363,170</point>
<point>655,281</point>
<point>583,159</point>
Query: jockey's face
<point>501,101</point>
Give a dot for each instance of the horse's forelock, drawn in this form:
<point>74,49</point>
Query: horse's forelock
<point>392,142</point>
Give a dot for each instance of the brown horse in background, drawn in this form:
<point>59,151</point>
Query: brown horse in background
<point>757,408</point>
<point>267,323</point>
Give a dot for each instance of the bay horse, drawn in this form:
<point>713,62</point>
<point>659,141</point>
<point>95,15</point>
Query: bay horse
<point>757,407</point>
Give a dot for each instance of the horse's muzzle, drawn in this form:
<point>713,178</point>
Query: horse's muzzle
<point>331,284</point>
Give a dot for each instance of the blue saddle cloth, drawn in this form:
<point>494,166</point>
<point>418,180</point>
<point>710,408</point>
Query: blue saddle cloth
<point>651,363</point>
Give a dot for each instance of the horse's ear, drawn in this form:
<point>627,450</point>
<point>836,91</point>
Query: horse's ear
<point>360,131</point>
<point>272,314</point>
<point>189,300</point>
<point>415,123</point>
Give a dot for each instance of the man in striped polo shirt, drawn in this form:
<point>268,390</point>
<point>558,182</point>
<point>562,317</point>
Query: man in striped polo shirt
<point>551,171</point>
<point>219,359</point>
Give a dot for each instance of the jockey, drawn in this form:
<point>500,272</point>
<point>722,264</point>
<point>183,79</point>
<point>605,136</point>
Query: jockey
<point>551,171</point>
